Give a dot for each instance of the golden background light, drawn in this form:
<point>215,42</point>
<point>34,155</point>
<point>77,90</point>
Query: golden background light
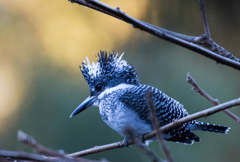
<point>57,30</point>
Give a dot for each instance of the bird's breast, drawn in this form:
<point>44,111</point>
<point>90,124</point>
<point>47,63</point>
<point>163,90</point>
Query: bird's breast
<point>119,117</point>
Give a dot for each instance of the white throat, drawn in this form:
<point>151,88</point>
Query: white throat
<point>109,90</point>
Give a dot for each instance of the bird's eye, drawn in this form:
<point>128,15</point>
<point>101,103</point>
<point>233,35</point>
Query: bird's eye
<point>98,87</point>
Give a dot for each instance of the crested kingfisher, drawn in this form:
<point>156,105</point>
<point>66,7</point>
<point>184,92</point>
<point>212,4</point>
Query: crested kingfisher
<point>116,90</point>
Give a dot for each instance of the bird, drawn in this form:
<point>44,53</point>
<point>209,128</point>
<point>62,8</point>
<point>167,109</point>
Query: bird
<point>116,90</point>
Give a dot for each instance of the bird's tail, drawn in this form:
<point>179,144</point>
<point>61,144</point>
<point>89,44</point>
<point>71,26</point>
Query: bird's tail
<point>196,125</point>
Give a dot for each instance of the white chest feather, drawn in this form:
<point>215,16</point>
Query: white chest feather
<point>116,115</point>
<point>121,118</point>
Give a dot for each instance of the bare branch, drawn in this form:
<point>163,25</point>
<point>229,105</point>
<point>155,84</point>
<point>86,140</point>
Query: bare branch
<point>145,149</point>
<point>197,89</point>
<point>232,115</point>
<point>206,39</point>
<point>156,125</point>
<point>30,141</point>
<point>18,155</point>
<point>166,128</point>
<point>6,155</point>
<point>225,57</point>
<point>98,149</point>
<point>204,19</point>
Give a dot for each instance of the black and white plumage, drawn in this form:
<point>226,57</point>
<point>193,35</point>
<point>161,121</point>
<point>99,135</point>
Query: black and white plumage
<point>116,90</point>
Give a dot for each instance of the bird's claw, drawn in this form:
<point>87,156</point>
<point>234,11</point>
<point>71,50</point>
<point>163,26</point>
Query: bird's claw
<point>141,139</point>
<point>125,142</point>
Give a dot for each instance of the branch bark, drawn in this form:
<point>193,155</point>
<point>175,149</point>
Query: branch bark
<point>215,52</point>
<point>204,19</point>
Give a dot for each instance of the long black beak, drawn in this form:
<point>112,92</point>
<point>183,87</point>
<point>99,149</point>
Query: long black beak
<point>84,105</point>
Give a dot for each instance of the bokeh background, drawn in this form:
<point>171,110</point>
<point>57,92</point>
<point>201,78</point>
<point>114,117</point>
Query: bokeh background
<point>43,42</point>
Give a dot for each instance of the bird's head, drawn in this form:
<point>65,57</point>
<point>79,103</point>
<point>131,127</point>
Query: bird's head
<point>109,71</point>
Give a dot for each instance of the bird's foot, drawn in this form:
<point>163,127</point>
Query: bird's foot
<point>125,142</point>
<point>141,139</point>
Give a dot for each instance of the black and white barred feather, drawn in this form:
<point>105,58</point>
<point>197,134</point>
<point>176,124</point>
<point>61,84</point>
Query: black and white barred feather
<point>167,110</point>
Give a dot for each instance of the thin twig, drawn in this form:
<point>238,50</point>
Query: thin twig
<point>139,144</point>
<point>204,19</point>
<point>166,128</point>
<point>225,57</point>
<point>8,156</point>
<point>30,141</point>
<point>206,39</point>
<point>53,154</point>
<point>156,125</point>
<point>215,102</point>
<point>19,155</point>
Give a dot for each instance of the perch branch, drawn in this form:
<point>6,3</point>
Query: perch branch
<point>215,102</point>
<point>139,144</point>
<point>166,128</point>
<point>216,52</point>
<point>156,125</point>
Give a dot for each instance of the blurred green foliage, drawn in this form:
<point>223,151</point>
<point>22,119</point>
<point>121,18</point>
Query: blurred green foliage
<point>41,87</point>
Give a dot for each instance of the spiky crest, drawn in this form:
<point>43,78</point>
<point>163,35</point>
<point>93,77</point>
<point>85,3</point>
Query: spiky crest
<point>109,69</point>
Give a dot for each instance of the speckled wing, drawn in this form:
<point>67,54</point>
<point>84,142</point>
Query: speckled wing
<point>167,109</point>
